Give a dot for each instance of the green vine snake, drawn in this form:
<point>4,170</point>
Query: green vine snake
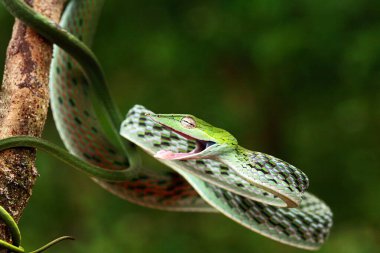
<point>209,172</point>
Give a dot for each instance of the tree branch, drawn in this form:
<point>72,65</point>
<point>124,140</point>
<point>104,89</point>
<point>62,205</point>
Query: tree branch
<point>24,101</point>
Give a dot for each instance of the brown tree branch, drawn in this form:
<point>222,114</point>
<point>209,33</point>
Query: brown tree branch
<point>24,102</point>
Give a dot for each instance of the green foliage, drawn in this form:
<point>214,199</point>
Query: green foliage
<point>295,79</point>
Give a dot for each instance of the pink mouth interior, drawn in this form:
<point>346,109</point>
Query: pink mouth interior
<point>169,155</point>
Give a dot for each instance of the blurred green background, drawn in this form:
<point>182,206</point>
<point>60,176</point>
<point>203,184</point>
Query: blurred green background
<point>295,79</point>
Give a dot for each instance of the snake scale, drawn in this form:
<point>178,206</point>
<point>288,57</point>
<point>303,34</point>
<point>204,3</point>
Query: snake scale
<point>209,171</point>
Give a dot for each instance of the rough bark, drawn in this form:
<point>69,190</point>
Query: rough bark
<point>24,101</point>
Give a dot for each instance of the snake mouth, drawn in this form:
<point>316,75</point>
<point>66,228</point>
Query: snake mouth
<point>200,147</point>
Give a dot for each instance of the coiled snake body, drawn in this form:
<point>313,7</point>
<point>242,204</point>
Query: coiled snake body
<point>210,171</point>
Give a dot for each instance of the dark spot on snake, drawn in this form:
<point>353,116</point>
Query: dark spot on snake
<point>87,156</point>
<point>131,113</point>
<point>86,113</point>
<point>157,127</point>
<point>173,136</point>
<point>184,195</point>
<point>96,158</point>
<point>257,219</point>
<point>283,174</point>
<point>301,233</point>
<point>246,202</point>
<point>262,169</point>
<point>121,164</point>
<point>267,212</point>
<point>178,192</point>
<point>71,102</point>
<point>260,205</point>
<point>164,137</point>
<point>285,231</point>
<point>161,182</point>
<point>227,195</point>
<point>141,187</point>
<point>81,21</point>
<point>282,226</point>
<point>288,181</point>
<point>130,187</point>
<point>77,120</point>
<point>93,129</point>
<point>149,193</point>
<point>118,163</point>
<point>75,81</point>
<point>243,206</point>
<point>223,167</point>
<point>173,186</point>
<point>60,100</point>
<point>111,151</point>
<point>148,133</point>
<point>272,222</point>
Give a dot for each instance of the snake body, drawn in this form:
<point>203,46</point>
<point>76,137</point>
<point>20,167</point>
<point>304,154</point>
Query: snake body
<point>252,188</point>
<point>306,226</point>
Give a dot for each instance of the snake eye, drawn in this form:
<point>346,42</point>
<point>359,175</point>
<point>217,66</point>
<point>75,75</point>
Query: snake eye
<point>188,122</point>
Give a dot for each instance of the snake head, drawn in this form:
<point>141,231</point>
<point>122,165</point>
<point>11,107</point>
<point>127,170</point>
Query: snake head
<point>210,141</point>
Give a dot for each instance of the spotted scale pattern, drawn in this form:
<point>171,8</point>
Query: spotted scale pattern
<point>310,222</point>
<point>307,226</point>
<point>269,172</point>
<point>279,170</point>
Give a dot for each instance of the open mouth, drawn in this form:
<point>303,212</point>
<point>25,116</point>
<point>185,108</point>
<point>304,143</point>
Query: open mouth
<point>200,147</point>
